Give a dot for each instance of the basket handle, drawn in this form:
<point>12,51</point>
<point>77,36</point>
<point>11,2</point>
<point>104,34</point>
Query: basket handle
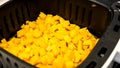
<point>108,3</point>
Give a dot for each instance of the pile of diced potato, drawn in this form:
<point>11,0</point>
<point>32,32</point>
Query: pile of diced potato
<point>51,42</point>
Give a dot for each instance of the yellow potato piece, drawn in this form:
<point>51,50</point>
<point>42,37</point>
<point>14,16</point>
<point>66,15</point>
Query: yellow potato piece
<point>58,62</point>
<point>67,38</point>
<point>42,15</point>
<point>69,64</point>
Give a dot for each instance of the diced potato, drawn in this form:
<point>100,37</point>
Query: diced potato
<point>58,62</point>
<point>69,64</point>
<point>42,15</point>
<point>51,42</point>
<point>67,38</point>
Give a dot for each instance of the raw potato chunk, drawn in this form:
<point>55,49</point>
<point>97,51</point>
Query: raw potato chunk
<point>51,42</point>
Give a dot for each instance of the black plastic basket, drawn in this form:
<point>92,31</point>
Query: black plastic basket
<point>97,17</point>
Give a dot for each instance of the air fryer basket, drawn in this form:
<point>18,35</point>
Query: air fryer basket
<point>97,18</point>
